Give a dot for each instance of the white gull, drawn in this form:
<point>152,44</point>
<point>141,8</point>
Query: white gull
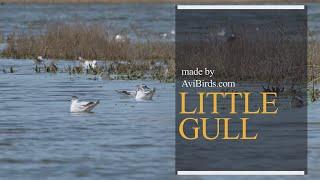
<point>82,106</point>
<point>143,92</point>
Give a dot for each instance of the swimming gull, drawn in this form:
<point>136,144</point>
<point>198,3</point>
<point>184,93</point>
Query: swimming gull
<point>143,92</point>
<point>82,106</point>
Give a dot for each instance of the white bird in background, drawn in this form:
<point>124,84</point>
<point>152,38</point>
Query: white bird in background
<point>221,33</point>
<point>143,92</point>
<point>231,38</point>
<point>39,60</point>
<point>82,106</point>
<point>164,35</point>
<point>173,32</point>
<point>120,38</point>
<point>90,64</point>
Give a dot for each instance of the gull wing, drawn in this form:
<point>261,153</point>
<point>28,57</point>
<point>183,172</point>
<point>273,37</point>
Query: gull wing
<point>84,103</point>
<point>127,93</point>
<point>88,104</point>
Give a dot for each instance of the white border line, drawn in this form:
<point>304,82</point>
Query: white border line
<point>240,6</point>
<point>284,173</point>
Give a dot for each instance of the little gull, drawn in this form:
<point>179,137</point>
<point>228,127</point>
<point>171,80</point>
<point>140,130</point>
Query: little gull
<point>164,35</point>
<point>90,64</point>
<point>120,38</point>
<point>39,60</point>
<point>221,33</point>
<point>232,37</point>
<point>80,58</point>
<point>143,92</point>
<point>82,106</point>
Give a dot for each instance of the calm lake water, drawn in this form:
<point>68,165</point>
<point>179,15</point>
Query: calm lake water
<point>123,138</point>
<point>40,138</point>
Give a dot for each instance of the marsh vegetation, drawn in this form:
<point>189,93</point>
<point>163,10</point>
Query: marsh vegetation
<point>69,41</point>
<point>123,57</point>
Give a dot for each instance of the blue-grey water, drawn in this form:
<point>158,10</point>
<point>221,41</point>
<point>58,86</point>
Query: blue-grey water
<point>123,138</point>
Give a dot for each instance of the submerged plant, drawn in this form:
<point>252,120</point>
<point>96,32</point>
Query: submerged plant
<point>10,70</point>
<point>37,69</point>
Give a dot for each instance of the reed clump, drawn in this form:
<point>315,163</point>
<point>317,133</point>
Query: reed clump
<point>268,54</point>
<point>114,70</point>
<point>51,68</point>
<point>10,70</point>
<point>69,41</point>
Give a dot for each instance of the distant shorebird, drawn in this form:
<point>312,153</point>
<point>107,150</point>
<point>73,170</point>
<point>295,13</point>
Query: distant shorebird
<point>172,32</point>
<point>90,64</point>
<point>143,92</point>
<point>82,106</point>
<point>80,58</point>
<point>221,33</point>
<point>120,38</point>
<point>232,37</point>
<point>164,35</point>
<point>39,60</point>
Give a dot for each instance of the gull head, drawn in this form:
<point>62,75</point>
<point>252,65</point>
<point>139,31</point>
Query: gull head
<point>143,87</point>
<point>74,98</point>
